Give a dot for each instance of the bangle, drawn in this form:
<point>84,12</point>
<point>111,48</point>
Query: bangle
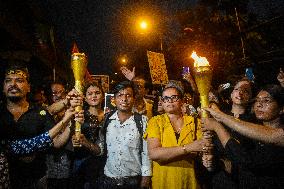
<point>184,149</point>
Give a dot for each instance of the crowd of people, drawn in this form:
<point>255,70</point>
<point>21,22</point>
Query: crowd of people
<point>152,139</point>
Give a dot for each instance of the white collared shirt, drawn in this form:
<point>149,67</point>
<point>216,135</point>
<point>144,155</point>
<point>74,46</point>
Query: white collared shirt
<point>123,140</point>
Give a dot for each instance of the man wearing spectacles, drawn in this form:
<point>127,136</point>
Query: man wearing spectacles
<point>170,99</point>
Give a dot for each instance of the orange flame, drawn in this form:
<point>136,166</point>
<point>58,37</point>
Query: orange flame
<point>199,61</point>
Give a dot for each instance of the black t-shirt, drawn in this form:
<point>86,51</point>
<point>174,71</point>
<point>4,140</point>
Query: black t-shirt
<point>90,128</point>
<point>32,123</point>
<point>261,167</point>
<point>244,141</point>
<point>220,178</point>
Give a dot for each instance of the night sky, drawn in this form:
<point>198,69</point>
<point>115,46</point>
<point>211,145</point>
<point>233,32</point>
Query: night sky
<point>105,29</point>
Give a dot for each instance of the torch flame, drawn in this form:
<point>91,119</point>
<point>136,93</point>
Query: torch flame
<point>199,61</point>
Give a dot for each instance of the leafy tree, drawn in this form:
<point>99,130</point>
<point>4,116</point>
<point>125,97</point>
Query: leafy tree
<point>211,29</point>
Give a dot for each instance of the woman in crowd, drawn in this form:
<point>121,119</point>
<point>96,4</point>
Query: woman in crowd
<point>173,140</point>
<point>88,163</point>
<point>262,166</point>
<point>240,108</point>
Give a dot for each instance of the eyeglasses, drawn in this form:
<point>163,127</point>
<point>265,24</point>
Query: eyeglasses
<point>173,98</point>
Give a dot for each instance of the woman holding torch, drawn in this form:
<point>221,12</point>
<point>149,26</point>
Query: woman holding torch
<point>261,166</point>
<point>173,143</point>
<point>87,162</point>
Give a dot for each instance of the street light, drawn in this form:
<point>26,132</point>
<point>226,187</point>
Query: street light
<point>123,59</point>
<point>144,26</point>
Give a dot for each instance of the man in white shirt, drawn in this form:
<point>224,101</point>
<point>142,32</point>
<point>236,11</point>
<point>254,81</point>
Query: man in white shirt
<point>128,165</point>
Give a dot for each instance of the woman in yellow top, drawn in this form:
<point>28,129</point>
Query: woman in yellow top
<point>173,141</point>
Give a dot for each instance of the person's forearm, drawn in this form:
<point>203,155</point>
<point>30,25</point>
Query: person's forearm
<point>222,134</point>
<point>166,154</point>
<point>57,128</point>
<point>62,138</point>
<point>27,146</point>
<point>57,106</point>
<point>93,148</point>
<point>258,132</point>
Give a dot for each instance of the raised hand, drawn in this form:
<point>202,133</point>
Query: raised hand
<point>128,73</point>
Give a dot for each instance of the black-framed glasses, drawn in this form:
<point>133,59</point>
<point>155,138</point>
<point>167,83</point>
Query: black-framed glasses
<point>172,98</point>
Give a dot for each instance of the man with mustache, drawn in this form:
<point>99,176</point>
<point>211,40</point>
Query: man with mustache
<point>127,165</point>
<point>21,120</point>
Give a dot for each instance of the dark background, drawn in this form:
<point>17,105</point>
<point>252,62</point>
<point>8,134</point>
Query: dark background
<point>42,34</point>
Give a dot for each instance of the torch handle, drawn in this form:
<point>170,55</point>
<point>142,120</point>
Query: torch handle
<point>204,103</point>
<point>208,134</point>
<point>77,127</point>
<point>79,67</point>
<point>77,133</point>
<point>79,88</point>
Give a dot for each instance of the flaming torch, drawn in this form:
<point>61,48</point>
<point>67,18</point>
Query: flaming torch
<point>79,67</point>
<point>203,78</point>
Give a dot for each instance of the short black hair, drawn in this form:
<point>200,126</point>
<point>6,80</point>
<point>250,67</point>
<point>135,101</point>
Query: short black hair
<point>123,85</point>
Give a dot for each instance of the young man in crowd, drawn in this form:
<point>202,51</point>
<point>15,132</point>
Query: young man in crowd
<point>141,105</point>
<point>127,163</point>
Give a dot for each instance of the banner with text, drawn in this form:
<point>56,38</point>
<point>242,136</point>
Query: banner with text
<point>158,68</point>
